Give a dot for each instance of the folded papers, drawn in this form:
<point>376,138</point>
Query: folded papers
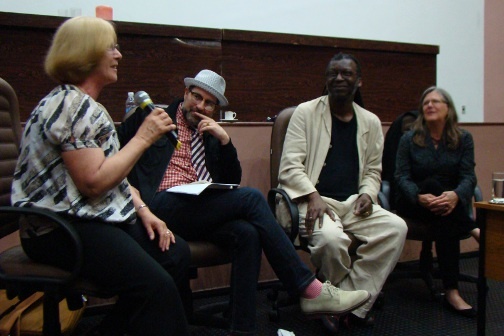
<point>197,188</point>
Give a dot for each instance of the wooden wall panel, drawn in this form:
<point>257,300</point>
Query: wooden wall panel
<point>158,66</point>
<point>274,71</point>
<point>271,77</point>
<point>22,51</point>
<point>156,59</point>
<point>265,72</point>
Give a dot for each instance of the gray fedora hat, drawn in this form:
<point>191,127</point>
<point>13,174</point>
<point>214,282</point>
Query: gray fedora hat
<point>211,82</point>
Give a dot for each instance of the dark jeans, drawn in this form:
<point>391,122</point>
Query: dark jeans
<point>448,231</point>
<point>124,261</point>
<point>241,220</point>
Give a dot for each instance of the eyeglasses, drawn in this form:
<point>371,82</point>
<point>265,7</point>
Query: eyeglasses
<point>209,105</point>
<point>114,47</point>
<point>434,102</point>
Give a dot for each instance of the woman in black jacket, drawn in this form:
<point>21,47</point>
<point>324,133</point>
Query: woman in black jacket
<point>435,181</point>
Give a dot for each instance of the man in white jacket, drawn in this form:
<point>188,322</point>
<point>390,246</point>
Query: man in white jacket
<point>331,167</point>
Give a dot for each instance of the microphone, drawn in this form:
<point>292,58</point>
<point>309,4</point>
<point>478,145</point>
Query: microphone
<point>143,100</point>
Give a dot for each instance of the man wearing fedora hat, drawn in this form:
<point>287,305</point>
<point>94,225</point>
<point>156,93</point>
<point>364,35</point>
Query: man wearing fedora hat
<point>238,219</point>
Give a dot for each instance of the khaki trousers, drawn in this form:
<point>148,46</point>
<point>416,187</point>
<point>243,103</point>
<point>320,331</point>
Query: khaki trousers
<point>382,235</point>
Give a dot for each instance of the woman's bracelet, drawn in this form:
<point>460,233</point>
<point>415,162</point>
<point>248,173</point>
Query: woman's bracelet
<point>141,206</point>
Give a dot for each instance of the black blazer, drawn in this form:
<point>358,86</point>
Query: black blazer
<point>221,161</point>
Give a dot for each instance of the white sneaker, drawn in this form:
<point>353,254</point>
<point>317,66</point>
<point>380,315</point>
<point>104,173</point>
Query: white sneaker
<point>334,301</point>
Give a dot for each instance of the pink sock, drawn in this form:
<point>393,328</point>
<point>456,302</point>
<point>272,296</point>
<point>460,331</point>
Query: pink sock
<point>313,290</point>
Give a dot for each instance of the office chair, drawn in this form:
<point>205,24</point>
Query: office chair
<point>19,275</point>
<point>206,254</point>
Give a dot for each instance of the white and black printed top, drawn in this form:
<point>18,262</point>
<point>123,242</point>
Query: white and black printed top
<point>66,119</point>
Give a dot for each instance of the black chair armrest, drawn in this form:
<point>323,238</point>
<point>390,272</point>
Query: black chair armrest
<point>61,222</point>
<point>478,195</point>
<point>384,195</point>
<point>293,210</point>
<point>383,201</point>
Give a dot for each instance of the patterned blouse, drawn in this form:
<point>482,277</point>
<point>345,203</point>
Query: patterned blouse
<point>66,119</point>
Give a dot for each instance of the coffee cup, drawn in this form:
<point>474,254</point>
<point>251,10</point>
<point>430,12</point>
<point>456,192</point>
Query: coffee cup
<point>229,115</point>
<point>498,187</point>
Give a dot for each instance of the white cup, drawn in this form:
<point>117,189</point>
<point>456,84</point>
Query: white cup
<point>498,187</point>
<point>229,115</point>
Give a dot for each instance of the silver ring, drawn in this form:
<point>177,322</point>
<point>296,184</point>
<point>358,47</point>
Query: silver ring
<point>167,232</point>
<point>366,214</point>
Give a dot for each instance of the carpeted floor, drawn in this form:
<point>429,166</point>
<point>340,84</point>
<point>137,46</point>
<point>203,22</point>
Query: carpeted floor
<point>408,309</point>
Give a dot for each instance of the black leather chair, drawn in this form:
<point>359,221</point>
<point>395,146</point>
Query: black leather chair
<point>205,254</point>
<point>19,275</point>
<point>276,146</point>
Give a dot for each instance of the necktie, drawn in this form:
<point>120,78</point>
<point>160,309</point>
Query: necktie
<point>198,157</point>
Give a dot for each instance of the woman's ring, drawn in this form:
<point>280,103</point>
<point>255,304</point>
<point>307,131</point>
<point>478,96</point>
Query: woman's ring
<point>167,232</point>
<point>366,214</point>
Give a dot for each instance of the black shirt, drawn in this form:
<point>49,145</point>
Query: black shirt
<point>339,178</point>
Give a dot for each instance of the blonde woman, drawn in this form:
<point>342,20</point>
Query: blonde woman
<point>70,163</point>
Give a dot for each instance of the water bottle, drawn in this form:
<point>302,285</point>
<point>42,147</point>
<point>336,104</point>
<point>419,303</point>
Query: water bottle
<point>130,102</point>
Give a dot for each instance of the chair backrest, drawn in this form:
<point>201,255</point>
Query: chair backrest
<point>277,141</point>
<point>398,127</point>
<point>10,137</point>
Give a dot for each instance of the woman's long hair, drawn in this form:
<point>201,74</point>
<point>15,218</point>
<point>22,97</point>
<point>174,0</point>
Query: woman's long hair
<point>451,132</point>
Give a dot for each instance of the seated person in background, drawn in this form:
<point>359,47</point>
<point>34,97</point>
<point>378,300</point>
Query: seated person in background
<point>70,163</point>
<point>435,181</point>
<point>330,166</point>
<point>239,219</point>
<point>401,125</point>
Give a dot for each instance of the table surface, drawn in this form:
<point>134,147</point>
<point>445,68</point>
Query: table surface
<point>494,239</point>
<point>490,218</point>
<point>489,206</point>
